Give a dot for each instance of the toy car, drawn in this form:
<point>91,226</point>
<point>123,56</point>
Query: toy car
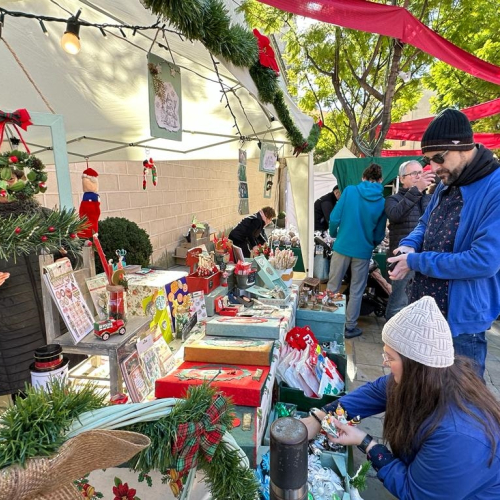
<point>104,329</point>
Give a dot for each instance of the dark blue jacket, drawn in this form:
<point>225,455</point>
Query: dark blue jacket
<point>473,269</point>
<point>452,463</point>
<point>358,220</point>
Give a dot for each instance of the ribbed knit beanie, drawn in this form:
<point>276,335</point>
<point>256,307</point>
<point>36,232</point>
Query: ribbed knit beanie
<point>450,130</point>
<point>420,332</point>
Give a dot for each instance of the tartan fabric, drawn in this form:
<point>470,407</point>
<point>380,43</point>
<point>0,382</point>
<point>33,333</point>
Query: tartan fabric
<point>205,434</point>
<point>20,117</point>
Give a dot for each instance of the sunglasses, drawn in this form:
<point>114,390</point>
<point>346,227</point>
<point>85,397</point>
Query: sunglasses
<point>437,158</point>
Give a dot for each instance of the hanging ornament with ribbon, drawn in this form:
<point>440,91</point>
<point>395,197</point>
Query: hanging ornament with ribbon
<point>19,118</point>
<point>148,165</point>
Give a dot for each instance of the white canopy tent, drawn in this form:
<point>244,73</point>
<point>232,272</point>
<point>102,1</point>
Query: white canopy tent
<point>102,92</point>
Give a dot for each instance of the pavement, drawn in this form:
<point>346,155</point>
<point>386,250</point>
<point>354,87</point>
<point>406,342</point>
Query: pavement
<point>364,363</point>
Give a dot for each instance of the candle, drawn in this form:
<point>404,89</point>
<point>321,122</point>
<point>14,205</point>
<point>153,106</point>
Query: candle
<point>104,262</point>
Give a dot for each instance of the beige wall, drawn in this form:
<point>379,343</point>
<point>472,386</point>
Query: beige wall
<point>207,189</point>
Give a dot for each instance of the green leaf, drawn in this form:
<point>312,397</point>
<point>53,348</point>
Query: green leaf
<point>5,173</point>
<point>118,481</point>
<point>31,175</point>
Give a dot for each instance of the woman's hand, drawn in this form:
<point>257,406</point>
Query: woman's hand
<point>3,278</point>
<point>348,434</point>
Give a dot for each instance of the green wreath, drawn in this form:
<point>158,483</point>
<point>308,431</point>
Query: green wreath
<point>15,183</point>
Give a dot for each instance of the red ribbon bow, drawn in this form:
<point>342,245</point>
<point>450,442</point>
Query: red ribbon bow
<point>266,52</point>
<point>20,118</point>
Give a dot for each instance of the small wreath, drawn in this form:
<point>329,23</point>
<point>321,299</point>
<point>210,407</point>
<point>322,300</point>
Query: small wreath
<point>15,183</point>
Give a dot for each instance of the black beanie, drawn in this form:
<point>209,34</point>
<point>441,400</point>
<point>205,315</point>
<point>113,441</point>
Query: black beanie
<point>449,130</point>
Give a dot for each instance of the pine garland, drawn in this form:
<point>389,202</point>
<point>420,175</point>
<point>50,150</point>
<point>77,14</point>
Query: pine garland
<point>29,233</point>
<point>208,21</point>
<point>36,425</point>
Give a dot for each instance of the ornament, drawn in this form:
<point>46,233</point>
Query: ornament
<point>72,236</point>
<point>42,185</point>
<point>17,230</point>
<point>52,229</point>
<point>44,238</point>
<point>13,159</point>
<point>3,193</point>
<point>148,165</point>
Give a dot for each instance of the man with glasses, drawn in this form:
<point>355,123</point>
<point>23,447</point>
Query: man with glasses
<point>403,211</point>
<point>455,248</point>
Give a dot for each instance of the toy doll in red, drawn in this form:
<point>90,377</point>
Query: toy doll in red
<point>90,206</point>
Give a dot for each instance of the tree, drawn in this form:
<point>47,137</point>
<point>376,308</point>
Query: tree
<point>475,29</point>
<point>358,80</point>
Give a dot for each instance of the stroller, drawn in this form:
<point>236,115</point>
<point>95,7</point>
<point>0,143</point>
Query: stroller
<point>377,290</point>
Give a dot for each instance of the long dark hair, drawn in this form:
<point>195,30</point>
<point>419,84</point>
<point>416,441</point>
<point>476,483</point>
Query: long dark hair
<point>428,393</point>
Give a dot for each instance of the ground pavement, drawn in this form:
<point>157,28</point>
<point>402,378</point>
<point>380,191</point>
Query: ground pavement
<point>365,363</point>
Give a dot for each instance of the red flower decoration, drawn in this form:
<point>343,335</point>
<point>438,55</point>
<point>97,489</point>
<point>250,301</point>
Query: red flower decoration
<point>266,52</point>
<point>123,492</point>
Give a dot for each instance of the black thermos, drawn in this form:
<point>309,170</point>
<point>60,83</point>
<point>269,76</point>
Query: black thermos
<point>288,460</point>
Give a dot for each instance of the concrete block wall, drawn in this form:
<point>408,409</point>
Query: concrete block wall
<point>207,189</point>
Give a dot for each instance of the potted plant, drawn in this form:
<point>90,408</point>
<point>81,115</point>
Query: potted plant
<point>281,220</point>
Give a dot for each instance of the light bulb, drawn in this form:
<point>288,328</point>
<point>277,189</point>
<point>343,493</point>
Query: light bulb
<point>70,43</point>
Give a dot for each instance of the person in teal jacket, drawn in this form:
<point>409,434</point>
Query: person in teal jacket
<point>455,248</point>
<point>358,224</point>
<point>441,422</point>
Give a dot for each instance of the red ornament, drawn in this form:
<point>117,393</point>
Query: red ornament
<point>44,238</point>
<point>320,124</point>
<point>193,226</point>
<point>72,236</point>
<point>13,159</point>
<point>42,185</point>
<point>52,229</point>
<point>17,230</point>
<point>3,193</point>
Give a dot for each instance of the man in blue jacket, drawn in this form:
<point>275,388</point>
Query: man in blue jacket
<point>455,248</point>
<point>358,223</point>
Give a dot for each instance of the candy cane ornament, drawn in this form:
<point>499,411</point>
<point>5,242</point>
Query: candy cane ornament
<point>148,165</point>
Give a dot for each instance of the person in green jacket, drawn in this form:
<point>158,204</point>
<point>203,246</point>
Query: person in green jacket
<point>358,224</point>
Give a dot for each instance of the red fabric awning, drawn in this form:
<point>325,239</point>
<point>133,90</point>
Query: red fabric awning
<point>391,21</point>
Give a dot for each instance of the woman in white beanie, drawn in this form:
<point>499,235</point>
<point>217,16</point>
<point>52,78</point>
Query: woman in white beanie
<point>441,422</point>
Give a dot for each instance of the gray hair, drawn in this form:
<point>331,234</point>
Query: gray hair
<point>403,166</point>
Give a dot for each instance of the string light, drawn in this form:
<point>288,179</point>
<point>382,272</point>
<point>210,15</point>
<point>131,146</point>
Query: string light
<point>70,41</point>
<point>44,29</point>
<point>103,33</point>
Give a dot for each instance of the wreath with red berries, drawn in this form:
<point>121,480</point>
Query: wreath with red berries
<point>22,175</point>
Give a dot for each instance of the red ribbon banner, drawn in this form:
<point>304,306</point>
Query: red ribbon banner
<point>19,118</point>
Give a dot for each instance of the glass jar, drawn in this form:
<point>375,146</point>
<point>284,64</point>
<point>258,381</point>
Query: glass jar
<point>117,302</point>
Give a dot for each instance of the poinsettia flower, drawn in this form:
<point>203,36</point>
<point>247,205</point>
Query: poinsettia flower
<point>123,492</point>
<point>266,52</point>
<point>320,124</point>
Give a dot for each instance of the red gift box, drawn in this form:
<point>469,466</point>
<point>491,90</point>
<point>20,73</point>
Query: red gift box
<point>205,284</point>
<point>238,382</point>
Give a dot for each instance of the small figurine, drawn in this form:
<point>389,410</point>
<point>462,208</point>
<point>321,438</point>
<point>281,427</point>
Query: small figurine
<point>104,329</point>
<point>90,205</point>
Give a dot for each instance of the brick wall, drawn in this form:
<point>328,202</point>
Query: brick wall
<point>207,189</point>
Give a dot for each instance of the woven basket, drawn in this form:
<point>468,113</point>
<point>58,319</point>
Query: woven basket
<point>52,478</point>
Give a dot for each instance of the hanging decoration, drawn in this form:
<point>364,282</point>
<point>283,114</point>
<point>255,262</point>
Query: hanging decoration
<point>149,165</point>
<point>196,20</point>
<point>19,118</point>
<point>165,99</point>
<point>243,208</point>
<point>15,183</point>
<point>90,206</point>
<point>268,158</point>
<point>268,185</point>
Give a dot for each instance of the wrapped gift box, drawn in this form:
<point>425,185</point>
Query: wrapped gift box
<point>221,350</point>
<point>327,326</point>
<point>237,381</point>
<point>204,284</point>
<point>244,327</point>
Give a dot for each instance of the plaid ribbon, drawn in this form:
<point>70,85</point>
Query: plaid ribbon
<point>205,434</point>
<point>20,118</point>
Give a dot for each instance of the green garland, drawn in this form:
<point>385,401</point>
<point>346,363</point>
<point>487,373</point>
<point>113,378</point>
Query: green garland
<point>29,233</point>
<point>12,165</point>
<point>208,21</point>
<point>37,424</point>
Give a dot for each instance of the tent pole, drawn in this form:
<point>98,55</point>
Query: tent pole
<point>310,216</point>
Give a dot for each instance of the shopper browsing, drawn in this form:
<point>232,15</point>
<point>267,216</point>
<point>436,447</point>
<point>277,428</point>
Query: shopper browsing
<point>358,223</point>
<point>454,250</point>
<point>403,211</point>
<point>441,423</point>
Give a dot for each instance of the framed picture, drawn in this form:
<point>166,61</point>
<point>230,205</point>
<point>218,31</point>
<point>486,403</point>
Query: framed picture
<point>268,158</point>
<point>243,190</point>
<point>242,173</point>
<point>243,207</point>
<point>242,156</point>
